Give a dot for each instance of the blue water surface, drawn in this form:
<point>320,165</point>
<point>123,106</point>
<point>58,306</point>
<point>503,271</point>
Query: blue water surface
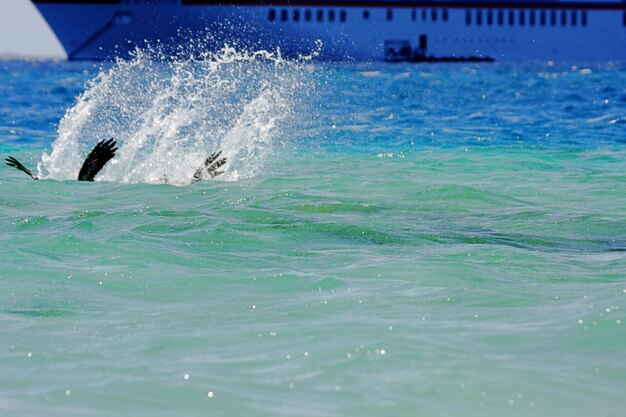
<point>414,240</point>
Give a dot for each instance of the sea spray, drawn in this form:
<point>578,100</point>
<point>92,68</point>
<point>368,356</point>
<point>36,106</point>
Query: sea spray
<point>169,114</point>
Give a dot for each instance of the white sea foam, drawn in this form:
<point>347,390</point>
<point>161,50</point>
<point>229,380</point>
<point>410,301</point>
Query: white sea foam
<point>168,115</point>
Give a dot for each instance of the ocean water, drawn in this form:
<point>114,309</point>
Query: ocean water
<point>387,240</point>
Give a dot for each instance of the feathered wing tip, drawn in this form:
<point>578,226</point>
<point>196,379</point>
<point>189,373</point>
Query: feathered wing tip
<point>12,162</point>
<point>97,159</point>
<point>212,164</point>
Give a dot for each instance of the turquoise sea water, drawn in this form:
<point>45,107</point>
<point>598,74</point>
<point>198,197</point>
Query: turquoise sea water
<point>388,240</point>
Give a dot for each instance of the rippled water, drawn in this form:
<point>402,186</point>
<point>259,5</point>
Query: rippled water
<point>389,240</point>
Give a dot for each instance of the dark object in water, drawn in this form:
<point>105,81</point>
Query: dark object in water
<point>401,51</point>
<point>95,161</point>
<point>211,165</point>
<point>105,150</point>
<point>12,162</point>
<point>433,59</point>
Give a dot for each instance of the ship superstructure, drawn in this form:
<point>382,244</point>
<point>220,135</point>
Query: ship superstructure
<point>402,30</point>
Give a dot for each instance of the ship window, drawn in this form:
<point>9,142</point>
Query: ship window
<point>532,18</point>
<point>320,15</point>
<point>444,15</point>
<point>490,17</point>
<point>479,17</point>
<point>553,18</point>
<point>307,15</point>
<point>423,14</point>
<point>283,15</point>
<point>584,18</point>
<point>511,18</point>
<point>296,15</point>
<point>331,15</point>
<point>271,15</point>
<point>366,14</point>
<point>574,18</point>
<point>468,17</point>
<point>563,18</point>
<point>500,17</point>
<point>413,15</point>
<point>522,18</point>
<point>389,14</point>
<point>342,15</point>
<point>542,18</point>
<point>433,15</point>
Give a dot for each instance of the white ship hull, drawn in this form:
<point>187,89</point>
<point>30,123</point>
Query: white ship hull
<point>348,30</point>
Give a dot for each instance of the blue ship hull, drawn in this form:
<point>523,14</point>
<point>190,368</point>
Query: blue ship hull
<point>347,30</point>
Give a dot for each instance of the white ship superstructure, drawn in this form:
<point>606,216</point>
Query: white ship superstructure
<point>349,29</point>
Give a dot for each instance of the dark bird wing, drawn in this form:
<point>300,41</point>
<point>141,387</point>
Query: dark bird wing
<point>12,162</point>
<point>212,164</point>
<point>97,158</point>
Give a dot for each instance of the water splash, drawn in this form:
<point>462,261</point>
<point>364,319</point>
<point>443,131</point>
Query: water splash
<point>169,114</point>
